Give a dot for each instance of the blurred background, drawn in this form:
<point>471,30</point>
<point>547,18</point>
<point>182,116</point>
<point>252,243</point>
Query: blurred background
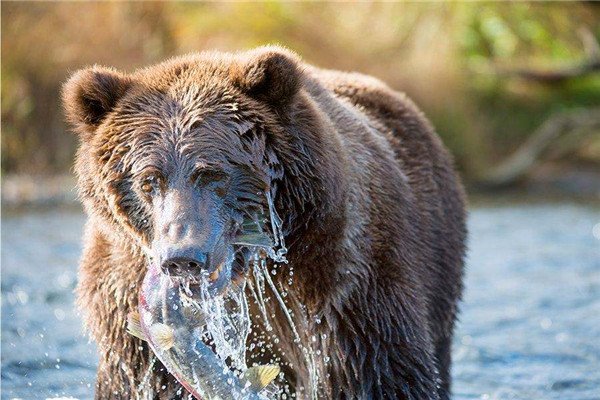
<point>488,75</point>
<point>512,88</point>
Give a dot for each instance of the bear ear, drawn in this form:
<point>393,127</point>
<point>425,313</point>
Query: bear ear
<point>90,94</point>
<point>272,74</point>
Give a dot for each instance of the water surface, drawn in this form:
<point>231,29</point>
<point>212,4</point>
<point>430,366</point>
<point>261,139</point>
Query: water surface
<point>530,325</point>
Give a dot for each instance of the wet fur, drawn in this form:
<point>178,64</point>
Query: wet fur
<point>371,206</point>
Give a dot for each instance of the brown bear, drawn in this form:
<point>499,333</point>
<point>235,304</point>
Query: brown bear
<point>373,213</point>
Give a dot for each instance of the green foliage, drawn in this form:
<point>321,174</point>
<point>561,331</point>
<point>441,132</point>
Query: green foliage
<point>446,56</point>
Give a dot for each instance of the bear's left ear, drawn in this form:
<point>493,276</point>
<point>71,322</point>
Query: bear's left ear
<point>90,94</point>
<point>271,74</point>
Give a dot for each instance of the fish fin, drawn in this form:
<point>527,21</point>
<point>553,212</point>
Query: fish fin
<point>259,377</point>
<point>164,335</point>
<point>134,326</point>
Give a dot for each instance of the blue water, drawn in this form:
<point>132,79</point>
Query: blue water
<point>529,329</point>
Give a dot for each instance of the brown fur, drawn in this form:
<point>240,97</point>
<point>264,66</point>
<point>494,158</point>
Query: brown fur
<point>372,208</point>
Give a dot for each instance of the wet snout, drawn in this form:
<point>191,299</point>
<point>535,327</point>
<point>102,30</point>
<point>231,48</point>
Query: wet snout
<point>191,263</point>
<point>189,239</point>
<point>182,262</point>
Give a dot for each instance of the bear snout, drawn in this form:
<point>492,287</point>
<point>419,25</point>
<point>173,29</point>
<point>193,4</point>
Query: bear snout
<point>185,266</point>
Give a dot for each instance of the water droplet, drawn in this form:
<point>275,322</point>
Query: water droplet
<point>59,314</point>
<point>546,323</point>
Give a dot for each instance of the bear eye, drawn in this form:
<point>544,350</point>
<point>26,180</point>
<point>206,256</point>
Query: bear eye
<point>206,177</point>
<point>149,184</point>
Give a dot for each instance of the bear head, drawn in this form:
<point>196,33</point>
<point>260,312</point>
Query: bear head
<point>177,157</point>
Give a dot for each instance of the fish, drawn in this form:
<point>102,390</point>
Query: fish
<point>173,330</point>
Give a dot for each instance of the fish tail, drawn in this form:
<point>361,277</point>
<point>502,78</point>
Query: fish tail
<point>260,376</point>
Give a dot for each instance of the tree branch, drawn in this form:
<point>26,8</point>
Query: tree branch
<point>554,75</point>
<point>518,164</point>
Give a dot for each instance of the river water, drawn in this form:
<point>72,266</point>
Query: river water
<point>529,326</point>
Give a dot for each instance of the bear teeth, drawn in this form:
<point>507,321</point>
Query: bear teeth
<point>215,274</point>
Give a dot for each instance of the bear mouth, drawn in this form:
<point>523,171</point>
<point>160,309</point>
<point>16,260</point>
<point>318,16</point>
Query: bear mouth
<point>215,281</point>
<point>231,272</point>
<point>251,246</point>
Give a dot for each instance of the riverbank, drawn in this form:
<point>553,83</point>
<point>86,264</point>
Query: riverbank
<point>30,191</point>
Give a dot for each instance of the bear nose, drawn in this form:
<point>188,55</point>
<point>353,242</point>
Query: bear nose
<point>182,266</point>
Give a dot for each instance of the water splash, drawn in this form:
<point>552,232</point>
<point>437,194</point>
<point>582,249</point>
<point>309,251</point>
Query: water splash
<point>278,250</point>
<point>308,353</point>
<point>228,323</point>
<point>261,274</point>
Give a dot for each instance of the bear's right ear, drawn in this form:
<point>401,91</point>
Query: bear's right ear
<point>90,94</point>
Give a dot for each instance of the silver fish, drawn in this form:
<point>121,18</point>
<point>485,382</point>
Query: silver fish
<point>172,329</point>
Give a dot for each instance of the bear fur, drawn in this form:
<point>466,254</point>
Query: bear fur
<point>373,212</point>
